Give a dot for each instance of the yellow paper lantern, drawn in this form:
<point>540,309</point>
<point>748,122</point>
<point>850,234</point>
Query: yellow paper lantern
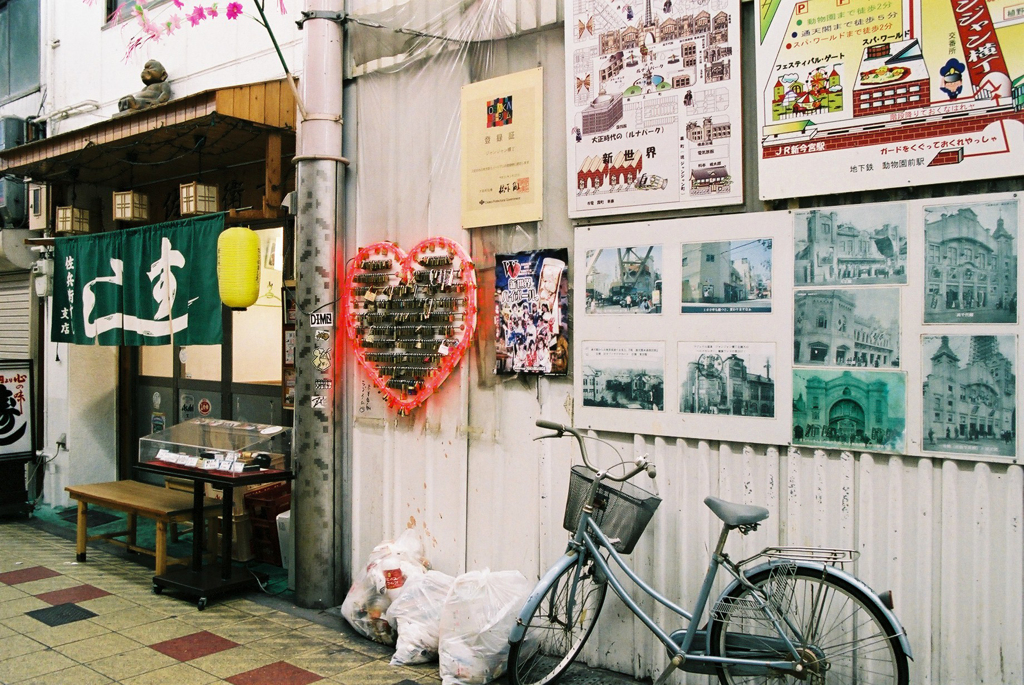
<point>238,267</point>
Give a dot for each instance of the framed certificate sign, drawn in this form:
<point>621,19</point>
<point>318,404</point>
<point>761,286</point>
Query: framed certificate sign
<point>17,432</point>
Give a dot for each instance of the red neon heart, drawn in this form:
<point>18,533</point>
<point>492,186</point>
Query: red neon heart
<point>371,303</point>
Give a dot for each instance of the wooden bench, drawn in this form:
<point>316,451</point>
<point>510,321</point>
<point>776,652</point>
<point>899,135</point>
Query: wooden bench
<point>163,505</point>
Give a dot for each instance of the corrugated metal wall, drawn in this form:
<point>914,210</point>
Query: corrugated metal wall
<point>944,535</point>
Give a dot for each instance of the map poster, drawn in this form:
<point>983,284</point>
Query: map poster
<point>502,150</point>
<point>868,94</point>
<point>652,105</point>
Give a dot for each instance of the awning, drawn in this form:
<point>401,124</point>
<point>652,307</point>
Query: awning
<point>228,126</point>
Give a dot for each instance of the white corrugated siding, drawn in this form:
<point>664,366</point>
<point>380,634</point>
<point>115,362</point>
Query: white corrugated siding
<point>15,316</point>
<point>945,536</point>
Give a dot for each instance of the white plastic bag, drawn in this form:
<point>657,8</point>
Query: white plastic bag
<point>416,615</point>
<point>373,591</point>
<point>475,623</point>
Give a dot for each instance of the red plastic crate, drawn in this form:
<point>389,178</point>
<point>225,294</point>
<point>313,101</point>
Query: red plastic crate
<point>265,545</point>
<point>264,504</point>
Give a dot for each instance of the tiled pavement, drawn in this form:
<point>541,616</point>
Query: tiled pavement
<point>127,634</point>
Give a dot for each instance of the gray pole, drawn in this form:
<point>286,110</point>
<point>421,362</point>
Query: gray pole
<point>320,424</point>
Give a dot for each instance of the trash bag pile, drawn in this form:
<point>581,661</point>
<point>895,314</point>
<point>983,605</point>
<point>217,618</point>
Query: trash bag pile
<point>464,622</point>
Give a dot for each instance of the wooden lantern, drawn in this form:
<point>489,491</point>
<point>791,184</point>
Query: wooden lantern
<point>130,205</point>
<point>72,220</point>
<point>198,198</point>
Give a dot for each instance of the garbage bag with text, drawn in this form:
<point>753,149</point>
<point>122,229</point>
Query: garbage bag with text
<point>475,623</point>
<point>382,580</point>
<point>416,615</point>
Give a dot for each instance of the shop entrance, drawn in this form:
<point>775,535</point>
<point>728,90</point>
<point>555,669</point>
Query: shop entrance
<point>238,380</point>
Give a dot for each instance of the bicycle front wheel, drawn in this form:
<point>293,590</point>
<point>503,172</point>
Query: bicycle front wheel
<point>559,626</point>
<point>840,634</point>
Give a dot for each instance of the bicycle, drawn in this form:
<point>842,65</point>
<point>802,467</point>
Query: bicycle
<point>795,616</point>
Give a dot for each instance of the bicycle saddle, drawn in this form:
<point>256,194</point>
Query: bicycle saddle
<point>736,514</point>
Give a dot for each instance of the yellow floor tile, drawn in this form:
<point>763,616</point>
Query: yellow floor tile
<point>133,663</point>
<point>249,607</point>
<point>71,632</point>
<point>120,620</point>
<point>330,660</point>
<point>249,630</point>
<point>6,632</point>
<point>179,674</point>
<point>16,645</point>
<point>159,631</point>
<point>76,675</point>
<point>375,673</point>
<point>288,620</point>
<point>32,665</point>
<point>22,624</point>
<point>97,647</point>
<point>9,592</point>
<point>232,661</point>
<point>288,644</point>
<point>108,604</point>
<point>17,607</point>
<point>38,587</point>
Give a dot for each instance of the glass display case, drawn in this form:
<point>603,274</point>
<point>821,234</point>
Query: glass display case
<point>219,444</point>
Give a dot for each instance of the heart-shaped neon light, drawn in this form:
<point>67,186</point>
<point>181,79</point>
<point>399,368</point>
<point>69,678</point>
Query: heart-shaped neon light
<point>412,316</point>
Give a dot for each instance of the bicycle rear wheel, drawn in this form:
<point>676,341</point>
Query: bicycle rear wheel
<point>846,639</point>
<point>554,637</point>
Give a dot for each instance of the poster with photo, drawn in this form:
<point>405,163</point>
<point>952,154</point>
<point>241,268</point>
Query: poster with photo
<point>653,109</point>
<point>845,409</point>
<point>971,262</point>
<point>727,277</point>
<point>624,280</point>
<point>970,394</point>
<point>531,302</point>
<point>732,379</point>
<point>624,375</point>
<point>855,327</point>
<point>851,245</point>
<point>867,94</point>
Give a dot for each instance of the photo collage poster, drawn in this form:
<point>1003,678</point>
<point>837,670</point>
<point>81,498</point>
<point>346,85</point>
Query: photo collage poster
<point>868,94</point>
<point>652,105</point>
<point>677,337</point>
<point>888,327</point>
<point>531,301</point>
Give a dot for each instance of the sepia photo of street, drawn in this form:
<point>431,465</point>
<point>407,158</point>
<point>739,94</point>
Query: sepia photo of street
<point>843,408</point>
<point>970,394</point>
<point>727,378</point>
<point>971,263</point>
<point>853,245</point>
<point>624,375</point>
<point>857,327</point>
<point>727,277</point>
<point>624,280</point>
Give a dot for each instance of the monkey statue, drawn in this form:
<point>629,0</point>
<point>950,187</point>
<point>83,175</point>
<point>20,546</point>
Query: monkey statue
<point>156,92</point>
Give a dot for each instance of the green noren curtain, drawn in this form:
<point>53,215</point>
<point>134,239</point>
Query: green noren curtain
<point>141,286</point>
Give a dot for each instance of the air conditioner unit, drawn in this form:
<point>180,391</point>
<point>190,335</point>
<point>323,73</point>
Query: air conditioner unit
<point>38,206</point>
<point>12,200</point>
<point>12,132</point>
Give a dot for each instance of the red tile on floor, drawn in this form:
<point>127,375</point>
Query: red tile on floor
<point>278,673</point>
<point>72,595</point>
<point>27,575</point>
<point>193,646</point>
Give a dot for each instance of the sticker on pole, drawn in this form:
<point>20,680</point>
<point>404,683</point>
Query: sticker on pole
<point>321,319</point>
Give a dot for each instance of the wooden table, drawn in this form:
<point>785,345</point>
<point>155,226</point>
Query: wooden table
<point>197,580</point>
<point>148,501</point>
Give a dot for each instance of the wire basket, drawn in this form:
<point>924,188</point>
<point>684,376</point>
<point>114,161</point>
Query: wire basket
<point>778,593</point>
<point>622,511</point>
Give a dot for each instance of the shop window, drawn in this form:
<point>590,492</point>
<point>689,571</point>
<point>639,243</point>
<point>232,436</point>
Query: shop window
<point>256,332</point>
<point>200,362</point>
<point>156,360</point>
<point>19,48</point>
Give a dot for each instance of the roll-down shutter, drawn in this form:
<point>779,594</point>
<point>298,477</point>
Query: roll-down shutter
<point>14,315</point>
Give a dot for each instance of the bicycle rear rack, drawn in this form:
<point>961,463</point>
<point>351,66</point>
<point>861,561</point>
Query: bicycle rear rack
<point>823,555</point>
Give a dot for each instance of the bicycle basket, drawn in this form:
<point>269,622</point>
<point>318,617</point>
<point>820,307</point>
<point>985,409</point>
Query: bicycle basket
<point>622,511</point>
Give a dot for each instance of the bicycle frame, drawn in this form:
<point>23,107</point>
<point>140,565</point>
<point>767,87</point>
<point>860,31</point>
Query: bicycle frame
<point>591,538</point>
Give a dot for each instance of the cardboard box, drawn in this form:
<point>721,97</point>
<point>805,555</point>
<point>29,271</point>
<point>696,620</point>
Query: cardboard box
<point>241,538</point>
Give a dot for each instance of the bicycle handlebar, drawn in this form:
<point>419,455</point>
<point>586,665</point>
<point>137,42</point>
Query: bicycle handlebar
<point>561,430</point>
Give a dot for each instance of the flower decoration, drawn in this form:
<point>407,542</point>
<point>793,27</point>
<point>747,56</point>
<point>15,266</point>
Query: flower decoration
<point>234,10</point>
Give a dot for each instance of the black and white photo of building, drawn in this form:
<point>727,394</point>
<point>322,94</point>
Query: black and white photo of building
<point>842,408</point>
<point>847,327</point>
<point>971,263</point>
<point>970,394</point>
<point>727,378</point>
<point>624,375</point>
<point>857,245</point>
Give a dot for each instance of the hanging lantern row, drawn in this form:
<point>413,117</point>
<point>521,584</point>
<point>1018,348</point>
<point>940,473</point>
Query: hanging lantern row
<point>130,205</point>
<point>72,220</point>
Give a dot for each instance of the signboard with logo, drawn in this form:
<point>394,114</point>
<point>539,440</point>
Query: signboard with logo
<point>17,434</point>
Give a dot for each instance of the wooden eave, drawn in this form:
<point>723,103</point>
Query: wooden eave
<point>202,132</point>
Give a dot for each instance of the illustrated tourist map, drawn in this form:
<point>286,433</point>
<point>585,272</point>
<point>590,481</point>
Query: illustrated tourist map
<point>865,94</point>
<point>653,105</point>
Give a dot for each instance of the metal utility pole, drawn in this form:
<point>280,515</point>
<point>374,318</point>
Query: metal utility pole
<point>321,423</point>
